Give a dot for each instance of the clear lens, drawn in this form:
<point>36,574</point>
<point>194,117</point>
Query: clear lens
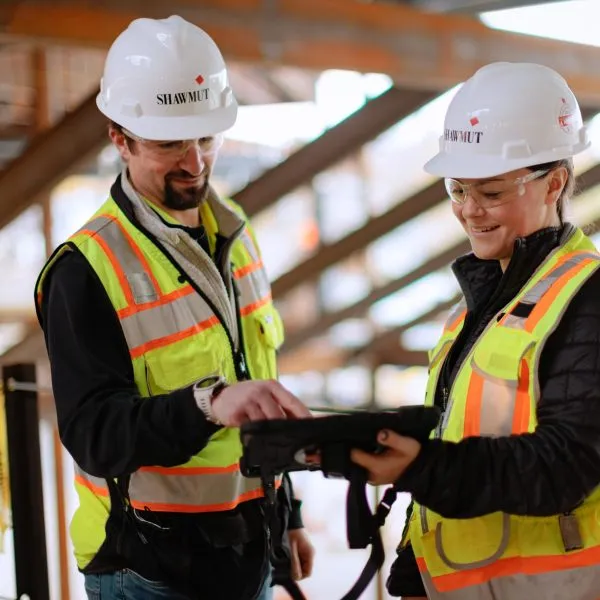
<point>489,193</point>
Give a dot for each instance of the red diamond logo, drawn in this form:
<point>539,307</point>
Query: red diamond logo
<point>199,80</point>
<point>474,121</point>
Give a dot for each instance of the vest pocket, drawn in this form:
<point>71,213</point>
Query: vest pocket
<point>463,544</point>
<point>263,336</point>
<point>181,365</point>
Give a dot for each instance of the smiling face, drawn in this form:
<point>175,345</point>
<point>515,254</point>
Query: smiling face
<point>495,212</point>
<point>174,175</point>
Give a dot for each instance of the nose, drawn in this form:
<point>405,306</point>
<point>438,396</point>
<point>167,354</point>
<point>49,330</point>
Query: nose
<point>193,161</point>
<point>470,208</point>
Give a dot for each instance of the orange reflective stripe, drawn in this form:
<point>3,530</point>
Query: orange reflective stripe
<point>127,292</point>
<point>548,298</point>
<point>459,319</point>
<point>533,565</point>
<point>522,412</point>
<point>199,508</point>
<point>136,308</point>
<point>243,271</point>
<point>176,337</point>
<point>96,489</point>
<point>250,308</point>
<point>192,470</point>
<point>472,426</point>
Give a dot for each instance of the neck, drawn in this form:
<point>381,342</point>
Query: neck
<point>189,218</point>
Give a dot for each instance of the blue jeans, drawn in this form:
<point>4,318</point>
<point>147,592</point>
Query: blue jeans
<point>127,585</point>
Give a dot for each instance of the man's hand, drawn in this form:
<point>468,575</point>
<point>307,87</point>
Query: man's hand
<point>255,401</point>
<point>302,554</point>
<point>386,468</point>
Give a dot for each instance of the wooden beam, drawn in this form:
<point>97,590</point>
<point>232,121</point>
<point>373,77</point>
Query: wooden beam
<point>375,228</point>
<point>585,181</point>
<point>52,155</point>
<point>417,49</point>
<point>375,117</point>
<point>358,309</point>
<point>391,338</point>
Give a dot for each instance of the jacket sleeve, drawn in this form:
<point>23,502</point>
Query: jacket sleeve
<point>547,472</point>
<point>108,428</point>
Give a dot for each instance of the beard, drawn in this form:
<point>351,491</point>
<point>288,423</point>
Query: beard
<point>186,197</point>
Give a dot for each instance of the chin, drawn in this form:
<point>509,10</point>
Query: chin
<point>484,253</point>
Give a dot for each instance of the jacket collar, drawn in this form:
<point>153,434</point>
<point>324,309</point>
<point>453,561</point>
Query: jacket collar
<point>226,221</point>
<point>479,279</point>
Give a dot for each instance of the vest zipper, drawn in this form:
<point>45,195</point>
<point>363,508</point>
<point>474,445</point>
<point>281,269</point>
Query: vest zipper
<point>234,351</point>
<point>441,422</point>
<point>241,365</point>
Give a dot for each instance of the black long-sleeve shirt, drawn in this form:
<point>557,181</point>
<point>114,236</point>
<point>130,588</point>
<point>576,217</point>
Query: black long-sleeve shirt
<point>103,422</point>
<point>544,473</point>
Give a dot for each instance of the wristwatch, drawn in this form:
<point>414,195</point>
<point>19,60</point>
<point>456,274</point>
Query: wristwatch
<point>205,391</point>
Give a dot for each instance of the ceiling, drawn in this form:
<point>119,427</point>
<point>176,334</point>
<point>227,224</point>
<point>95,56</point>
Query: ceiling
<point>51,56</point>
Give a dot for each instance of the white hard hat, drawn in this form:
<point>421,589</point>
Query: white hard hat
<point>508,116</point>
<point>166,80</point>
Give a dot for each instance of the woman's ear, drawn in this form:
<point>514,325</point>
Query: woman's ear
<point>556,184</point>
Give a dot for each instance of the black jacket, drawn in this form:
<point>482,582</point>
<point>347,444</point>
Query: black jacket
<point>544,473</point>
<point>110,431</point>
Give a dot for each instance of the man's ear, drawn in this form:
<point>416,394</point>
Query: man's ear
<point>120,142</point>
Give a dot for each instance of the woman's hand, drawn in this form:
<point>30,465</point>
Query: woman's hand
<point>388,466</point>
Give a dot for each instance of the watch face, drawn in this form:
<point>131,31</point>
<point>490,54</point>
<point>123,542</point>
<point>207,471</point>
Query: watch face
<point>208,382</point>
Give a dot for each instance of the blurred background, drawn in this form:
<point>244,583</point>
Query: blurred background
<point>342,103</point>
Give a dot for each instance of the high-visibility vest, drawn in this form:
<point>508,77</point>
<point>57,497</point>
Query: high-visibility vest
<point>495,393</point>
<point>175,338</point>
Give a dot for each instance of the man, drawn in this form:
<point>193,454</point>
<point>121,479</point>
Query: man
<point>162,336</point>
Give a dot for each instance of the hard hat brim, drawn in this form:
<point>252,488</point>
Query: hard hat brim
<point>480,167</point>
<point>176,128</point>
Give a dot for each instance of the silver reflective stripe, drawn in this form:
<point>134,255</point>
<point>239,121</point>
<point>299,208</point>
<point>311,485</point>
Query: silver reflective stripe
<point>97,224</point>
<point>252,288</point>
<point>96,484</point>
<point>194,492</point>
<point>159,322</point>
<point>536,293</point>
<point>455,312</point>
<point>498,401</point>
<point>514,322</point>
<point>581,583</point>
<point>248,242</point>
<point>140,283</point>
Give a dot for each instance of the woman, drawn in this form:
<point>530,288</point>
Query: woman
<point>506,497</point>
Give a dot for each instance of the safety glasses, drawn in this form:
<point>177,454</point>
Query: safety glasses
<point>177,149</point>
<point>491,192</point>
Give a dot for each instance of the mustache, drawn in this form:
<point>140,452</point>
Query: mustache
<point>186,175</point>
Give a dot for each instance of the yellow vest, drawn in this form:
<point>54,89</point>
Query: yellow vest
<point>174,338</point>
<point>495,393</point>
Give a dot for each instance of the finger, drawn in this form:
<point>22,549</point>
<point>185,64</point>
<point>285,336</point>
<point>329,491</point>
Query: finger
<point>271,409</point>
<point>290,404</point>
<point>296,568</point>
<point>307,560</point>
<point>364,459</point>
<point>254,412</point>
<point>391,439</point>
